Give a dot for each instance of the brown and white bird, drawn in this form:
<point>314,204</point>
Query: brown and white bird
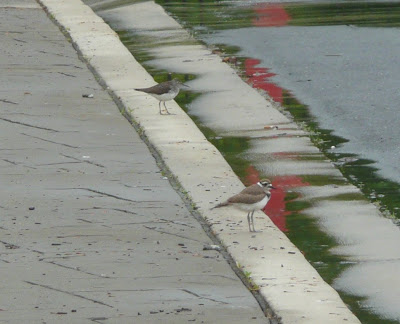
<point>250,199</point>
<point>164,91</point>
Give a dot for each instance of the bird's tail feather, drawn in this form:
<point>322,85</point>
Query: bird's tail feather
<point>223,204</point>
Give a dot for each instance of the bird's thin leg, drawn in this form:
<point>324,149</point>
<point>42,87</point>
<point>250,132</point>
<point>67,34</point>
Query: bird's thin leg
<point>248,220</point>
<point>166,109</point>
<point>252,220</point>
<point>159,105</point>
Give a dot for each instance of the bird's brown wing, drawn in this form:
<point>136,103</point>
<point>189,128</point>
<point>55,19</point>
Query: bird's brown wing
<point>156,89</point>
<point>244,198</point>
<point>252,190</point>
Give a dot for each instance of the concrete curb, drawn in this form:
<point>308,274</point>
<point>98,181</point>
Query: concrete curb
<point>287,281</point>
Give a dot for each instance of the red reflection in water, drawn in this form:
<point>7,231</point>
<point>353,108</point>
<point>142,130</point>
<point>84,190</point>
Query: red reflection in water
<point>276,207</point>
<point>268,15</point>
<point>285,155</point>
<point>258,77</point>
<point>252,176</point>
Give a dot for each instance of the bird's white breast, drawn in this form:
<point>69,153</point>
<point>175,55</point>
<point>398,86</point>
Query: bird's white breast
<point>250,207</point>
<point>165,96</point>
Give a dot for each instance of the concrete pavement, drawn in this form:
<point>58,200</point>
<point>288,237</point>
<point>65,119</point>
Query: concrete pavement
<point>91,230</point>
<point>284,278</point>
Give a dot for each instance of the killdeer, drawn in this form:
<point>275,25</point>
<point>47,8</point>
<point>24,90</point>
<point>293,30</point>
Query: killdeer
<point>164,91</point>
<point>250,199</point>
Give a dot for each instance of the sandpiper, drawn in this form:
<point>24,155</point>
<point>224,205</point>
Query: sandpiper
<point>164,91</point>
<point>250,199</point>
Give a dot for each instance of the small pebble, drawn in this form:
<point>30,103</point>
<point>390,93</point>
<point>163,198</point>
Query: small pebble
<point>211,247</point>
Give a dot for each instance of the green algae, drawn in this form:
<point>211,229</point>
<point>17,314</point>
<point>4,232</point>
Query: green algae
<point>303,230</point>
<point>363,14</point>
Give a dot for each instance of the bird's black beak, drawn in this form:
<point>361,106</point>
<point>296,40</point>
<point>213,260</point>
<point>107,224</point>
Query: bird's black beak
<point>272,187</point>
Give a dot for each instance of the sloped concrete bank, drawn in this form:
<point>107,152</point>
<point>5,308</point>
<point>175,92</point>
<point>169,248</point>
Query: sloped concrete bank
<point>286,280</point>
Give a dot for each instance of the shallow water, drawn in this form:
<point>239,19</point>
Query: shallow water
<point>301,205</point>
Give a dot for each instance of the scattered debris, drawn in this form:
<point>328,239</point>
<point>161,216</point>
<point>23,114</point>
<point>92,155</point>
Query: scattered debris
<point>345,160</point>
<point>183,309</point>
<point>271,127</point>
<point>208,247</point>
<point>9,246</point>
<point>91,95</point>
<point>230,59</point>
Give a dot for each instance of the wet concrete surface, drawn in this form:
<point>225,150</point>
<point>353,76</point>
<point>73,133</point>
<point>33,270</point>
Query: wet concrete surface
<point>295,291</point>
<point>288,152</point>
<point>91,231</point>
<point>348,77</point>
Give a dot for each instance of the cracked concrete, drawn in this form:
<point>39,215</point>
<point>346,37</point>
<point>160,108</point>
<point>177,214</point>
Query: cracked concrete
<point>297,293</point>
<point>91,231</point>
